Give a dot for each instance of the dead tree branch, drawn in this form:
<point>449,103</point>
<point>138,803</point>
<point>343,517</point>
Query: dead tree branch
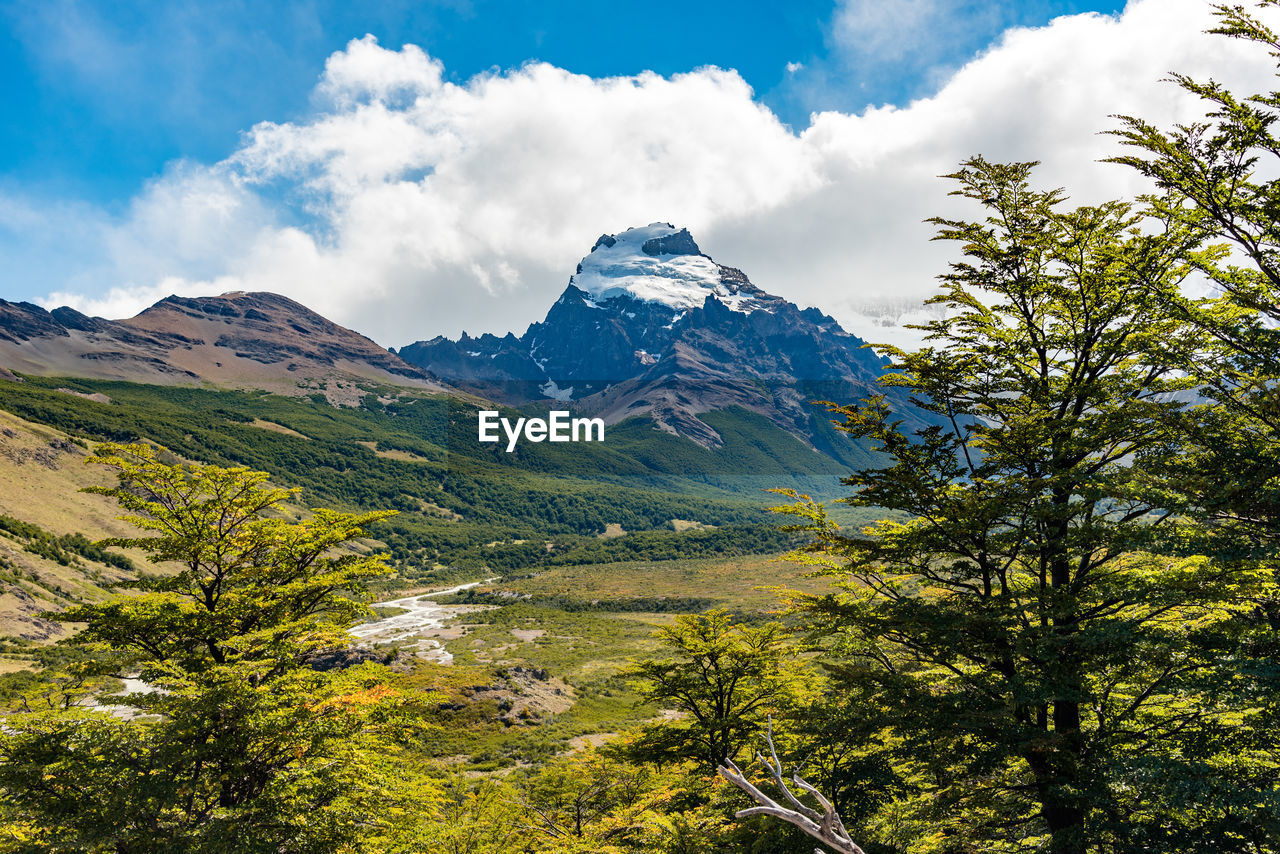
<point>826,827</point>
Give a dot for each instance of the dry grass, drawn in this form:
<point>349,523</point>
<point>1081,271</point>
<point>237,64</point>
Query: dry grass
<point>611,530</point>
<point>45,490</point>
<point>97,396</point>
<point>392,454</point>
<point>746,583</point>
<point>41,475</point>
<point>680,525</point>
<point>276,428</point>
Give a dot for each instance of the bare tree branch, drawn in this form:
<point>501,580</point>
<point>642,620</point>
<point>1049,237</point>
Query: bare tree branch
<point>826,827</point>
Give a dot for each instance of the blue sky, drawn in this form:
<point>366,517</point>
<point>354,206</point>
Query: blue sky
<point>100,95</point>
<point>446,172</point>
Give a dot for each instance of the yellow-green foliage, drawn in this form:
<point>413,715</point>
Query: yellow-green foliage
<point>237,743</point>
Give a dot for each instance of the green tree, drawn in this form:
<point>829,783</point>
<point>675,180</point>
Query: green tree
<point>723,678</point>
<point>841,745</point>
<point>239,742</point>
<point>586,803</point>
<point>1019,627</point>
<point>1217,182</point>
<point>473,817</point>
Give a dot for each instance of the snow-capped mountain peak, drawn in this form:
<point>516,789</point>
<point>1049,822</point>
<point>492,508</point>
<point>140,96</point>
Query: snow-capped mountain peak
<point>650,326</point>
<point>659,263</point>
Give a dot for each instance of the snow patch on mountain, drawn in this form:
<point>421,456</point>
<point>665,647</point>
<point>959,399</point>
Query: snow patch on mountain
<point>656,263</point>
<point>554,392</point>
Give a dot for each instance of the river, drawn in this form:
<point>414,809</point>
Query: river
<point>421,616</point>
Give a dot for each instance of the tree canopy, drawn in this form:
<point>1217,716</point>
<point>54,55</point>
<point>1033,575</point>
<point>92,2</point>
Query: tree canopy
<point>723,679</point>
<point>235,740</point>
<point>1037,624</point>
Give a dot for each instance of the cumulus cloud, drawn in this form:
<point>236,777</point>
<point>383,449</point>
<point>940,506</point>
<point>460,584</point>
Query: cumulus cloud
<point>407,205</point>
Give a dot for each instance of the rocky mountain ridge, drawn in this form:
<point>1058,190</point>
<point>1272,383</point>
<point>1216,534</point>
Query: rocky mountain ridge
<point>238,339</point>
<point>650,325</point>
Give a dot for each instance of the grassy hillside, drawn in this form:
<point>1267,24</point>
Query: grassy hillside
<point>47,559</point>
<point>466,508</point>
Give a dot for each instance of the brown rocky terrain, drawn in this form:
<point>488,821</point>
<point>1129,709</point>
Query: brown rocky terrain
<point>236,340</point>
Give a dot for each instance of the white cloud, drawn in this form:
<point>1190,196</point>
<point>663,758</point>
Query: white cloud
<point>887,31</point>
<point>408,205</point>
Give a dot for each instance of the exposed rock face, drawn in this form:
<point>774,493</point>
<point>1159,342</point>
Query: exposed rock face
<point>651,325</point>
<point>22,321</point>
<point>680,243</point>
<point>237,339</point>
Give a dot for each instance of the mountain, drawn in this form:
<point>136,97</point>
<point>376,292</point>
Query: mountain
<point>650,331</point>
<point>257,340</point>
<point>651,326</point>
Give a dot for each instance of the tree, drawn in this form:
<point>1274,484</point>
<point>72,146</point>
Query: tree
<point>1215,185</point>
<point>240,744</point>
<point>473,817</point>
<point>1216,177</point>
<point>586,803</point>
<point>826,826</point>
<point>1035,624</point>
<point>839,743</point>
<point>724,678</point>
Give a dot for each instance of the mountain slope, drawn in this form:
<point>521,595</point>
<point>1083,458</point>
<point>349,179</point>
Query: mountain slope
<point>257,340</point>
<point>46,525</point>
<point>650,326</point>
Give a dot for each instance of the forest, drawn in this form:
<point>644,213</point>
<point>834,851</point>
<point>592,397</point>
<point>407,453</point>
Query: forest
<point>1050,622</point>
